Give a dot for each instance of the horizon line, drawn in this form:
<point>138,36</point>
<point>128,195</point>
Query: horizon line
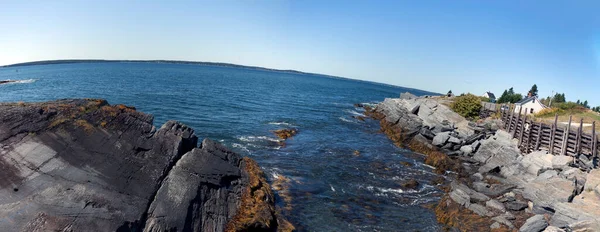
<point>208,63</point>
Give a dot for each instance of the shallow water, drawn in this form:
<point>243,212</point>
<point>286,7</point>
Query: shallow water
<point>327,187</point>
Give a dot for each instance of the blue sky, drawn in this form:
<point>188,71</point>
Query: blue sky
<point>466,46</point>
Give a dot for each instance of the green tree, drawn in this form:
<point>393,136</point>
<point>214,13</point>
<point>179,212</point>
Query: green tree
<point>559,98</point>
<point>503,97</point>
<point>534,90</point>
<point>516,97</point>
<point>585,104</point>
<point>578,102</point>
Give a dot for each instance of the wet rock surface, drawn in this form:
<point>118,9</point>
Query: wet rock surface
<point>84,165</point>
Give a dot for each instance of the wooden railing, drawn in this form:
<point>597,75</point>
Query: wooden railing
<point>533,135</point>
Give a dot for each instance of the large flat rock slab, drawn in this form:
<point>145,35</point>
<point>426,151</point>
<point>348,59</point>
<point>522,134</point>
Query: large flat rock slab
<point>84,165</point>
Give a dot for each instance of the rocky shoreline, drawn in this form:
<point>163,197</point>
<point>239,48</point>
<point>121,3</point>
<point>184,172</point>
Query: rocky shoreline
<point>85,165</point>
<point>491,185</point>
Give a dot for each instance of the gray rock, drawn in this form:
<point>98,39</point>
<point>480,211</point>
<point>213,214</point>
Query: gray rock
<point>495,225</point>
<point>466,149</point>
<point>592,180</point>
<point>398,115</point>
<point>496,205</point>
<point>476,145</point>
<point>480,210</point>
<point>427,133</point>
<point>211,174</point>
<point>584,207</point>
<point>407,96</point>
<point>585,162</point>
<point>546,193</point>
<point>548,174</point>
<point>587,225</point>
<point>516,205</point>
<point>454,140</point>
<point>477,176</point>
<point>496,152</point>
<point>553,229</point>
<point>536,223</point>
<point>440,138</point>
<point>505,220</point>
<point>561,161</point>
<point>536,161</point>
<point>473,195</point>
<point>461,197</point>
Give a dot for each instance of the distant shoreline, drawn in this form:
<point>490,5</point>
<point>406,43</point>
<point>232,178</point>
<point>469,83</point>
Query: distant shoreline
<point>218,64</point>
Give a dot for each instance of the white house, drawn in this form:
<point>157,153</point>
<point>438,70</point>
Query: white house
<point>531,104</point>
<point>490,95</point>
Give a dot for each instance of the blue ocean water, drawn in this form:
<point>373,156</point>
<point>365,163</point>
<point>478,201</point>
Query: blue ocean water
<point>328,186</point>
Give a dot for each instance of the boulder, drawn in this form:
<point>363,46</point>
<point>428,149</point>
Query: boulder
<point>536,161</point>
<point>426,132</point>
<point>440,138</point>
<point>546,193</point>
<point>505,219</point>
<point>561,161</point>
<point>553,229</point>
<point>592,180</point>
<point>397,115</point>
<point>585,226</point>
<point>467,149</point>
<point>496,205</point>
<point>454,140</point>
<point>496,152</point>
<point>585,207</point>
<point>536,223</point>
<point>480,210</point>
<point>407,96</point>
<point>516,205</point>
<point>495,225</point>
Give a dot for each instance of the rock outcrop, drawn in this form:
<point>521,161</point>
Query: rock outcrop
<point>495,186</point>
<point>84,165</point>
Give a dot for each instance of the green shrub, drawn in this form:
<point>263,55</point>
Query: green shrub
<point>467,106</point>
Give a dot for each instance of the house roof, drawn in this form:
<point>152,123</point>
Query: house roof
<point>528,99</point>
<point>491,95</point>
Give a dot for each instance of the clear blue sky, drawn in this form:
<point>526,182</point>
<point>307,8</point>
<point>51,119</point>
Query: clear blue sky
<point>466,46</point>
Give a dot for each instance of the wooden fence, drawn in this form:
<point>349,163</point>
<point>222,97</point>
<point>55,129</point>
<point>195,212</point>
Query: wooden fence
<point>559,141</point>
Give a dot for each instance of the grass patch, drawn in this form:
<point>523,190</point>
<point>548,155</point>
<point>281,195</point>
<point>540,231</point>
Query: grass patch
<point>87,127</point>
<point>58,121</point>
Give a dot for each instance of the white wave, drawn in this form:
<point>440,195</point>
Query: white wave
<point>281,123</point>
<point>258,138</point>
<point>354,112</point>
<point>275,175</point>
<point>240,146</point>
<point>390,190</point>
<point>332,188</point>
<point>346,120</point>
<point>21,81</point>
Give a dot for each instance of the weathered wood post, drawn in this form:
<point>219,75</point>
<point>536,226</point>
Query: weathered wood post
<point>566,137</point>
<point>522,128</point>
<point>512,112</point>
<point>578,137</point>
<point>528,144</point>
<point>553,134</point>
<point>594,139</point>
<point>539,137</point>
<point>517,122</point>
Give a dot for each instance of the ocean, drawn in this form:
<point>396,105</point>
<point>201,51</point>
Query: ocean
<point>337,174</point>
